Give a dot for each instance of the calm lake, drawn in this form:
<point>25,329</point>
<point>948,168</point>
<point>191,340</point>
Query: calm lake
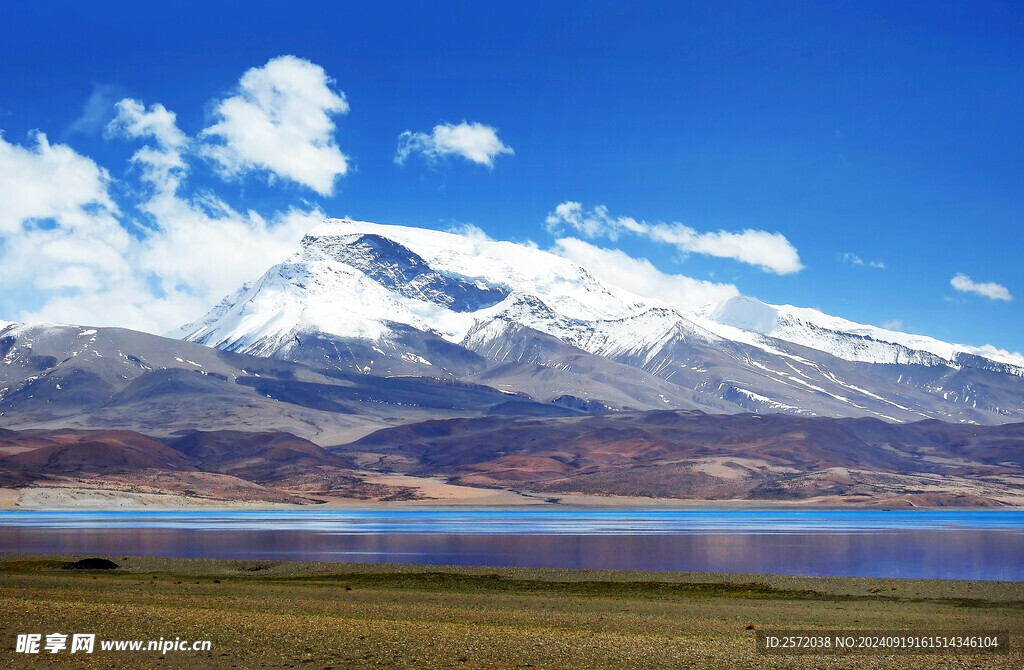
<point>927,544</point>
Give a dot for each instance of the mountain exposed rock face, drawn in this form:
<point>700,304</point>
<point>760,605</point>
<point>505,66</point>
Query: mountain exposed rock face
<point>62,453</point>
<point>402,271</point>
<point>690,454</point>
<point>212,466</point>
<point>666,454</point>
<point>391,300</point>
<point>72,376</point>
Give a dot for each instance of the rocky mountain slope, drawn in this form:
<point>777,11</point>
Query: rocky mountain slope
<point>271,467</point>
<point>73,376</point>
<point>664,454</point>
<point>392,300</point>
<point>690,454</point>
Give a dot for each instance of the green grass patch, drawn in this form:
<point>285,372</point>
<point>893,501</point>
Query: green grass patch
<point>496,583</point>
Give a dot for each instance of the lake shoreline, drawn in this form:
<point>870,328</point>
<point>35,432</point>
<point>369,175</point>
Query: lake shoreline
<point>989,590</point>
<point>72,498</point>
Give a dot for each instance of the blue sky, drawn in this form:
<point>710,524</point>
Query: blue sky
<point>855,157</point>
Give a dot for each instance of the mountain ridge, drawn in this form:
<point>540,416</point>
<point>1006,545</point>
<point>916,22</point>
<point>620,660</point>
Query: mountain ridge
<point>395,300</point>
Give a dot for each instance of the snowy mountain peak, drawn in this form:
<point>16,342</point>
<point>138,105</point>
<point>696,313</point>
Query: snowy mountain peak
<point>402,270</point>
<point>394,300</point>
<point>353,279</point>
<point>567,287</point>
<point>853,341</point>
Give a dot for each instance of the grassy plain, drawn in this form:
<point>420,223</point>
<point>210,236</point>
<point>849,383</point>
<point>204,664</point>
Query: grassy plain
<point>320,616</point>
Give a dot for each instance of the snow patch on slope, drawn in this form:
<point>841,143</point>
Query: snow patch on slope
<point>566,287</point>
<point>317,297</point>
<point>846,339</point>
<point>351,279</point>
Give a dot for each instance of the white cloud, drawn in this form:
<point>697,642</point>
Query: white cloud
<point>164,165</point>
<point>65,249</point>
<point>200,248</point>
<point>473,141</point>
<point>595,223</point>
<point>893,324</point>
<point>51,181</point>
<point>59,227</point>
<point>990,290</point>
<point>469,230</point>
<point>280,121</point>
<point>995,353</point>
<point>771,252</point>
<point>66,252</point>
<point>639,276</point>
<point>854,259</point>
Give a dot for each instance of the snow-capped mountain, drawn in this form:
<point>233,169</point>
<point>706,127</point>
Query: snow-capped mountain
<point>349,278</point>
<point>393,300</point>
<point>357,282</point>
<point>854,341</point>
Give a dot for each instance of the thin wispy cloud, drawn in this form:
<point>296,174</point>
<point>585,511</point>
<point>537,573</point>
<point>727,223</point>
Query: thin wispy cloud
<point>771,252</point>
<point>636,275</point>
<point>854,259</point>
<point>640,276</point>
<point>474,142</point>
<point>990,290</point>
<point>97,111</point>
<point>279,121</point>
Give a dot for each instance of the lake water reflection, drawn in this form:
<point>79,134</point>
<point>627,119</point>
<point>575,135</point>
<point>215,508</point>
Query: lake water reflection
<point>929,544</point>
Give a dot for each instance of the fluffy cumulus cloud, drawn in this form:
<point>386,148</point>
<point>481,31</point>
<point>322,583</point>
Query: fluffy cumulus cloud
<point>771,252</point>
<point>990,290</point>
<point>163,166</point>
<point>473,141</point>
<point>50,182</point>
<point>279,120</point>
<point>62,239</point>
<point>639,276</point>
<point>74,255</point>
<point>59,227</point>
<point>197,248</point>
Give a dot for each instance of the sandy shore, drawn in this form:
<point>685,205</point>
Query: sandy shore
<point>328,615</point>
<point>433,493</point>
<point>58,498</point>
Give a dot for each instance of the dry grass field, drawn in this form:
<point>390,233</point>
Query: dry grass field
<point>320,616</point>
